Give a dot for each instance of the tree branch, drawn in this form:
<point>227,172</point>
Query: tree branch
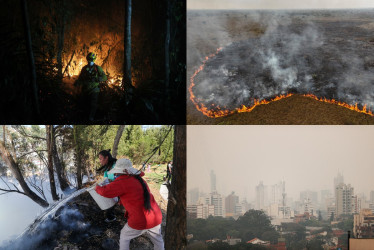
<point>20,129</point>
<point>11,191</point>
<point>36,151</point>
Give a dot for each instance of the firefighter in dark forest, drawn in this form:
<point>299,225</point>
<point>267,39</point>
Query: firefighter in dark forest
<point>90,78</point>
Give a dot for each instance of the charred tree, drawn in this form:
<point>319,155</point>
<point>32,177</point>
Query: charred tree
<point>30,55</point>
<point>117,139</point>
<point>50,143</point>
<point>126,82</point>
<point>175,233</point>
<point>14,168</point>
<point>64,184</point>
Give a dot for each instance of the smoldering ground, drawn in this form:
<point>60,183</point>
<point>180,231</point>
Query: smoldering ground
<point>267,53</point>
<point>68,222</point>
<point>76,223</point>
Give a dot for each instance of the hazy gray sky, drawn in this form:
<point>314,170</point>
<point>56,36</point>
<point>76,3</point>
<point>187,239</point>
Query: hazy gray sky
<point>276,4</point>
<point>306,157</point>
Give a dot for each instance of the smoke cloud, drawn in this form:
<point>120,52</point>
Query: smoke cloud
<point>67,221</point>
<point>268,53</point>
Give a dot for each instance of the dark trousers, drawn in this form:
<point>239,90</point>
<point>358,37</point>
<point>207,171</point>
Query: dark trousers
<point>94,96</point>
<point>168,176</point>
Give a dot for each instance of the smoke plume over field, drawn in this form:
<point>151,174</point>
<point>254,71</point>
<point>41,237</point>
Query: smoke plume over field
<point>265,54</point>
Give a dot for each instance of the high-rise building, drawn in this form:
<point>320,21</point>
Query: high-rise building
<point>308,207</point>
<point>201,211</point>
<point>204,211</point>
<point>193,196</point>
<point>344,199</point>
<point>216,200</point>
<point>213,187</point>
<point>339,179</point>
<point>261,196</point>
<point>276,193</point>
<point>192,211</point>
<point>372,197</point>
<point>230,204</point>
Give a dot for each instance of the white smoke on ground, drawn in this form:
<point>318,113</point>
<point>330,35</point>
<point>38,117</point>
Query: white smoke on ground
<point>297,52</point>
<point>66,220</point>
<point>18,211</point>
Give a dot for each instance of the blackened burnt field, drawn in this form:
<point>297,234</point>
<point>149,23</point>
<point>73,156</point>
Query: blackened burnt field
<point>265,54</point>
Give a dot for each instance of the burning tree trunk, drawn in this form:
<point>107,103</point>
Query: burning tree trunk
<point>30,54</point>
<point>8,159</point>
<point>117,139</point>
<point>50,143</point>
<point>59,167</point>
<point>175,235</point>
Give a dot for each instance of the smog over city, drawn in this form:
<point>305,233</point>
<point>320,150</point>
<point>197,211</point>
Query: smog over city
<point>305,158</point>
<point>239,55</point>
<point>280,187</point>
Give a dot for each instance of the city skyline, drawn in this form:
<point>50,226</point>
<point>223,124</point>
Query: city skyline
<point>335,149</point>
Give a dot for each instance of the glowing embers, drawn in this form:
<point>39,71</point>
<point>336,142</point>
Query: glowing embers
<point>115,81</point>
<point>342,104</point>
<point>215,111</point>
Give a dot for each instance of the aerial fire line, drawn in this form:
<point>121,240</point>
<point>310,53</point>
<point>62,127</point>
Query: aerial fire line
<point>217,111</point>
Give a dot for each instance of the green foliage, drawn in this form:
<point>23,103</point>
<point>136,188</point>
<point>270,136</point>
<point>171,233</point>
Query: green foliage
<point>136,143</point>
<point>254,223</point>
<point>315,244</point>
<point>84,142</point>
<point>239,246</point>
<point>295,235</point>
<point>346,224</point>
<point>314,223</point>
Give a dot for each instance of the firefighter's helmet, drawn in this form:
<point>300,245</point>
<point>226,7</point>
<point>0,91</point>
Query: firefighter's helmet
<point>91,57</point>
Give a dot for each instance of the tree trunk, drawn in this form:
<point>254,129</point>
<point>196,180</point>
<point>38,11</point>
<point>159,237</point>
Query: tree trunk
<point>126,82</point>
<point>30,54</point>
<point>175,233</point>
<point>59,168</point>
<point>4,135</point>
<point>60,38</point>
<point>8,159</point>
<point>50,142</point>
<point>117,139</point>
<point>78,155</point>
<point>167,58</point>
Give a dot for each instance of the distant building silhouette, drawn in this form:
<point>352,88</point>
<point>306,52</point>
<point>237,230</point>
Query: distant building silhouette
<point>344,199</point>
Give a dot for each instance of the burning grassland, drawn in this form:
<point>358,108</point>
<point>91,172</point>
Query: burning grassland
<point>296,109</point>
<point>304,53</point>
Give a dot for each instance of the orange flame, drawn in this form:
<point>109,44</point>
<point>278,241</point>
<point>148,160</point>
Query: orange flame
<point>364,109</point>
<point>217,111</point>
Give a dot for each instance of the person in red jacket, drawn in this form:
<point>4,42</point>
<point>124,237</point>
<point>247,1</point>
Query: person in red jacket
<point>142,212</point>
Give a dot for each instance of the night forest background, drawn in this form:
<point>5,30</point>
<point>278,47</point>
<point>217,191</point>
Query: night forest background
<point>62,32</point>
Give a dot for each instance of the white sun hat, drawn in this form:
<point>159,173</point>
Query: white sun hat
<point>124,166</point>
